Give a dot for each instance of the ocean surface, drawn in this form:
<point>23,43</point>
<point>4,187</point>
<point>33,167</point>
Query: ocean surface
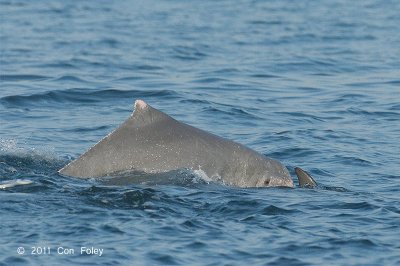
<point>314,84</point>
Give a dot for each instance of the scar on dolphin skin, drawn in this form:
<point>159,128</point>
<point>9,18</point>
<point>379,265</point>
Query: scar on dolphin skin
<point>151,141</point>
<point>140,104</point>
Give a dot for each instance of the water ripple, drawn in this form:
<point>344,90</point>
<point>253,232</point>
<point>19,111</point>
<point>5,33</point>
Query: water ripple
<point>22,77</point>
<point>79,96</point>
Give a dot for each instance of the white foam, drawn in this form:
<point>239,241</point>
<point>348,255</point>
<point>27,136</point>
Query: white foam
<point>11,147</point>
<point>200,173</point>
<point>7,145</point>
<point>16,182</point>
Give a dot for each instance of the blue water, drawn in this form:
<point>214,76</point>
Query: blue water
<point>314,84</point>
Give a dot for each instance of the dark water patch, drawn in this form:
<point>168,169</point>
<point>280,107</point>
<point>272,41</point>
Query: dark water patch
<point>373,84</point>
<point>362,206</point>
<point>393,209</point>
<point>295,152</point>
<point>323,74</point>
<point>342,24</point>
<point>139,198</point>
<point>61,65</point>
<point>313,66</point>
<point>351,98</point>
<point>163,259</point>
<point>393,82</point>
<point>231,112</point>
<point>144,67</point>
<point>188,53</point>
<point>302,115</point>
<point>21,50</point>
<point>61,96</point>
<point>236,208</point>
<point>210,89</point>
<point>195,101</point>
<point>332,38</point>
<point>386,176</point>
<point>72,64</point>
<point>111,42</point>
<point>87,129</point>
<point>131,78</point>
<point>12,3</point>
<point>309,89</point>
<point>112,229</point>
<point>274,210</point>
<point>395,107</point>
<point>265,22</point>
<point>70,79</point>
<point>351,160</point>
<point>286,261</point>
<point>336,189</point>
<point>14,260</point>
<point>80,96</point>
<point>22,77</point>
<point>209,80</point>
<point>393,116</point>
<point>359,243</point>
<point>227,71</point>
<point>264,76</point>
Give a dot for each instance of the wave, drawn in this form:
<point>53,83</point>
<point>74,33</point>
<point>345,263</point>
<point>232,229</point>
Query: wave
<point>233,112</point>
<point>79,95</point>
<point>22,77</point>
<point>71,78</point>
<point>188,53</point>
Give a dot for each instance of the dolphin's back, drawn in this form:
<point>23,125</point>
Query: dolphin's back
<point>152,141</point>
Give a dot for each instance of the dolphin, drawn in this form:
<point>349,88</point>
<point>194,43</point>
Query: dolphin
<point>153,142</point>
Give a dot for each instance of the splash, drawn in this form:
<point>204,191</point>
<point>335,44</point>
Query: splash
<point>17,161</point>
<point>13,183</point>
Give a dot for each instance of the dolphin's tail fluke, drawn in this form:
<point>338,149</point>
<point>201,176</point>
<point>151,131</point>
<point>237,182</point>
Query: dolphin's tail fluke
<point>305,179</point>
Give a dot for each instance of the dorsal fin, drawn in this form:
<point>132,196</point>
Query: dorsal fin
<point>305,179</point>
<point>143,114</point>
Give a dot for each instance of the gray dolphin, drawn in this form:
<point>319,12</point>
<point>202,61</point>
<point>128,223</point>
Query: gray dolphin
<point>151,141</point>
